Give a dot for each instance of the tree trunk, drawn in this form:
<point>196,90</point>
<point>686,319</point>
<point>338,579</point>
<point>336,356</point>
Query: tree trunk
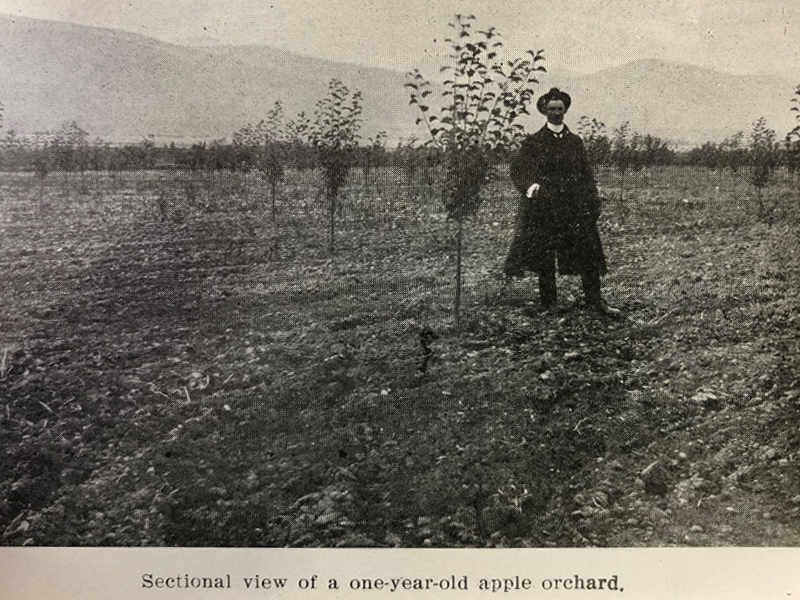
<point>760,205</point>
<point>273,192</point>
<point>333,216</point>
<point>457,304</point>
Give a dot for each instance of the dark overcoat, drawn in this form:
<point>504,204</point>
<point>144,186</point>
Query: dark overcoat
<point>561,219</point>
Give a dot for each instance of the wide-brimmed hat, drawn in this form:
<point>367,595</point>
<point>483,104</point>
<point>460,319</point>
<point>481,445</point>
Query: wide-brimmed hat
<point>553,94</point>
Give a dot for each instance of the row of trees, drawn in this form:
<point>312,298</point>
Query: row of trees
<point>625,148</point>
<point>761,149</point>
<point>471,118</point>
<point>263,146</point>
<point>70,149</point>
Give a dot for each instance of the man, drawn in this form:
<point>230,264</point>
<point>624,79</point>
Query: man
<point>557,219</point>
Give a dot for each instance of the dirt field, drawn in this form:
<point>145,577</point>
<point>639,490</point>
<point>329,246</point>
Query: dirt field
<point>178,369</point>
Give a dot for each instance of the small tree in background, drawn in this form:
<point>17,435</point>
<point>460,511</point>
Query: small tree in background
<point>141,156</point>
<point>763,154</point>
<point>406,159</point>
<point>625,154</point>
<point>654,152</point>
<point>148,149</point>
<point>595,139</point>
<point>264,147</point>
<point>709,156</point>
<point>334,134</point>
<point>733,154</point>
<point>43,161</point>
<point>70,147</point>
<point>373,154</point>
<point>12,148</point>
<point>792,141</point>
<point>481,98</point>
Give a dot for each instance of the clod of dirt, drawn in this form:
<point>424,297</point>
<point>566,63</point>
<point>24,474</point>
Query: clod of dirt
<point>656,479</point>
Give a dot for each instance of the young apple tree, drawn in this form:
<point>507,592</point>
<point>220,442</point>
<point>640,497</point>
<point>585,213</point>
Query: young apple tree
<point>373,154</point>
<point>625,154</point>
<point>70,146</point>
<point>763,158</point>
<point>334,134</point>
<point>733,151</point>
<point>595,140</point>
<point>796,109</point>
<point>480,99</point>
<point>265,144</point>
<point>793,138</point>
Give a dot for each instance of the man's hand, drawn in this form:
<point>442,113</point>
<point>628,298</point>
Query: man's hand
<point>533,190</point>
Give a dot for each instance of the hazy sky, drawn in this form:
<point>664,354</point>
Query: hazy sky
<point>738,36</point>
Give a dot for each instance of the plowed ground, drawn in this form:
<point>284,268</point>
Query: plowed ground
<point>211,377</point>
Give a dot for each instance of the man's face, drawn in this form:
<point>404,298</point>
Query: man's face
<point>555,111</point>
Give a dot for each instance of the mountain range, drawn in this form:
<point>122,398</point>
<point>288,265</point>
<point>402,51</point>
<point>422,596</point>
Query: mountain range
<point>121,87</point>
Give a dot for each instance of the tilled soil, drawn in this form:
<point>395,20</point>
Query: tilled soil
<point>221,380</point>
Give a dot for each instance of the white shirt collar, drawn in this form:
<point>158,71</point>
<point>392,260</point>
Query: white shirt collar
<point>555,128</point>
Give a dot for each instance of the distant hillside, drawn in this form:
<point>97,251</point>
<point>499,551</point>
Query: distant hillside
<point>120,87</point>
<point>685,104</point>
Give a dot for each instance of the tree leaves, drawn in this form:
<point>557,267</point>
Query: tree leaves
<point>479,100</point>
